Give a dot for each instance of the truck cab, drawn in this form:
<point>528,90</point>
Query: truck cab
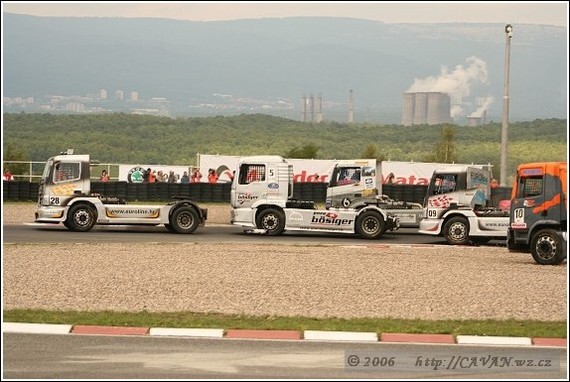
<point>539,212</point>
<point>458,206</point>
<point>65,197</point>
<point>262,199</point>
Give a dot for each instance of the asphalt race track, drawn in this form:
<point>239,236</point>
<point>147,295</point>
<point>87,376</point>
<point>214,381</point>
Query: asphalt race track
<point>215,233</point>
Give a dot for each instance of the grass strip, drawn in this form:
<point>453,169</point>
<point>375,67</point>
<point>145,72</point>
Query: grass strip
<point>511,328</point>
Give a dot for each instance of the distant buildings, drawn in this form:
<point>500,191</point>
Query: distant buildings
<point>426,108</point>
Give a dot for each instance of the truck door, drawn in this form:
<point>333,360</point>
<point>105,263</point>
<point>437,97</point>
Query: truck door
<point>537,197</point>
<point>345,186</point>
<point>250,185</point>
<point>65,179</point>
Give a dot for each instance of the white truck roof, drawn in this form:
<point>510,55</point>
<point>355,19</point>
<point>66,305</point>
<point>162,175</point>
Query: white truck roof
<point>262,159</point>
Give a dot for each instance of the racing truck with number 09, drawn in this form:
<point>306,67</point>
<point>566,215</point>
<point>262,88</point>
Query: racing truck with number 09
<point>458,206</point>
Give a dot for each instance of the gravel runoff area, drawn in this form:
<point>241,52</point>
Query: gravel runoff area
<point>368,280</point>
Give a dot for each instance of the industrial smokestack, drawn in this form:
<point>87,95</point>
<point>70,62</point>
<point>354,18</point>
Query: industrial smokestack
<point>312,107</point>
<point>319,108</point>
<point>351,107</point>
<point>304,106</point>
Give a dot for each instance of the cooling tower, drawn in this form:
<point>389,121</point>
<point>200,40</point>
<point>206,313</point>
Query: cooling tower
<point>426,108</point>
<point>420,108</point>
<point>408,109</point>
<point>438,108</point>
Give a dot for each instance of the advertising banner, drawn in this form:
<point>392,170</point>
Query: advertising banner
<point>306,170</point>
<point>135,173</point>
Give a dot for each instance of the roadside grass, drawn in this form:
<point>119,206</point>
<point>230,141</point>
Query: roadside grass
<point>511,328</point>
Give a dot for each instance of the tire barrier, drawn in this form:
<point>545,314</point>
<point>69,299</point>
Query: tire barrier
<point>215,193</point>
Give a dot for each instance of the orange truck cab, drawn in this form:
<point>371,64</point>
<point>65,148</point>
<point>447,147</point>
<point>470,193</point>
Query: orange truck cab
<point>539,210</point>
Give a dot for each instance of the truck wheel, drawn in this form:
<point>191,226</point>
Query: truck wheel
<point>80,218</point>
<point>183,220</point>
<point>456,231</point>
<point>546,248</point>
<point>271,220</point>
<point>370,225</point>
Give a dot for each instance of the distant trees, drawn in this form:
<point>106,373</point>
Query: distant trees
<point>308,151</point>
<point>16,155</point>
<point>371,152</point>
<point>131,139</point>
<point>444,151</point>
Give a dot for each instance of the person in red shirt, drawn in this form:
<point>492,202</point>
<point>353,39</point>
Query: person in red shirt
<point>212,176</point>
<point>104,176</point>
<point>8,177</point>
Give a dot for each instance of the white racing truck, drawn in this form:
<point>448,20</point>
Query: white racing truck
<point>262,200</point>
<point>458,206</point>
<point>65,197</point>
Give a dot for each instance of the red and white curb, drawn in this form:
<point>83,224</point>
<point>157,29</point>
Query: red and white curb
<point>306,335</point>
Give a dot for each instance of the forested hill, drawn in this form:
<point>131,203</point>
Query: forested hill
<point>125,138</point>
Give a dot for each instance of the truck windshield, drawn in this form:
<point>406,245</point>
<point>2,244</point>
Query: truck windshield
<point>65,171</point>
<point>249,173</point>
<point>530,186</point>
<point>444,183</point>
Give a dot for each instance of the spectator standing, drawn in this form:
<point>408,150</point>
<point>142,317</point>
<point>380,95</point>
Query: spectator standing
<point>196,176</point>
<point>104,176</point>
<point>8,177</point>
<point>212,176</point>
<point>171,177</point>
<point>390,179</point>
<point>185,178</point>
<point>151,176</point>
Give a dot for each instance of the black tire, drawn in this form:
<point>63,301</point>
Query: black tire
<point>184,220</point>
<point>272,221</point>
<point>546,248</point>
<point>370,225</point>
<point>81,218</point>
<point>456,231</point>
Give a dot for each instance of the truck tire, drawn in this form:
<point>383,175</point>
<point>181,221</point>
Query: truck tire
<point>271,220</point>
<point>370,225</point>
<point>183,220</point>
<point>80,218</point>
<point>546,248</point>
<point>456,231</point>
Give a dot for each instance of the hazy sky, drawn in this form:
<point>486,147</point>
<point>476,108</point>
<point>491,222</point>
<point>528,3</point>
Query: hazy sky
<point>544,12</point>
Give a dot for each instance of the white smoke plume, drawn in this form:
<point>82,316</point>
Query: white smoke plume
<point>484,103</point>
<point>457,83</point>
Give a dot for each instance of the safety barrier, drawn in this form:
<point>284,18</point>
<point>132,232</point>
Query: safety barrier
<point>199,192</point>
